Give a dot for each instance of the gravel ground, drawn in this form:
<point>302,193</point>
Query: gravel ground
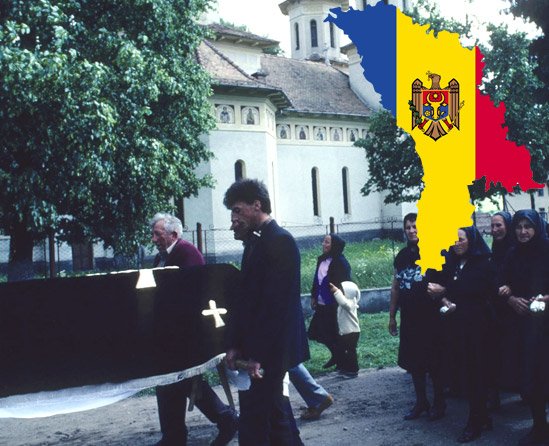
<point>368,411</point>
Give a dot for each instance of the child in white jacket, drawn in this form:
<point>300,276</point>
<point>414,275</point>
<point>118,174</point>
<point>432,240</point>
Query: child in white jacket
<point>349,328</point>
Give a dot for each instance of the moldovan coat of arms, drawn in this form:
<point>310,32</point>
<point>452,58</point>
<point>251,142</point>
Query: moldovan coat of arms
<point>435,110</point>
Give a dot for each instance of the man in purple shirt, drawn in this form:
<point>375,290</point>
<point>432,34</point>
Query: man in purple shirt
<point>172,399</point>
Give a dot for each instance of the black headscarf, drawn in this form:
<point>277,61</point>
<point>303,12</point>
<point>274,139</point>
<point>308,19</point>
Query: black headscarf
<point>537,222</point>
<point>338,245</point>
<point>501,247</point>
<point>477,246</point>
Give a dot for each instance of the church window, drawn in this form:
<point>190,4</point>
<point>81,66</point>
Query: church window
<point>541,192</point>
<point>345,180</point>
<point>314,183</point>
<point>239,170</point>
<point>386,2</point>
<point>296,26</point>
<point>364,4</point>
<point>332,35</point>
<point>314,34</point>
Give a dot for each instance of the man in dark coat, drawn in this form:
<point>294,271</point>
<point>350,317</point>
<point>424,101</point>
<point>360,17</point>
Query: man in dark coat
<point>268,330</point>
<point>172,399</point>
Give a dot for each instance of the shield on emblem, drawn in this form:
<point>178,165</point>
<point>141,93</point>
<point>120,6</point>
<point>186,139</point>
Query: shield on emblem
<point>435,110</point>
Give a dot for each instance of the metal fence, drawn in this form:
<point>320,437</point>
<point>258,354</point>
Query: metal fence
<point>52,257</point>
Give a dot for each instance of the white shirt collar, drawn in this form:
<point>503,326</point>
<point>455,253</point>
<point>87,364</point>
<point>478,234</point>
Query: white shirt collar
<point>170,248</point>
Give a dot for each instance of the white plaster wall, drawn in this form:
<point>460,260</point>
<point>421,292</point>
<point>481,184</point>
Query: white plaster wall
<point>522,201</point>
<point>359,84</point>
<point>296,202</point>
<point>245,57</point>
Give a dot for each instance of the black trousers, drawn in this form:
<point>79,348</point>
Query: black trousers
<point>266,417</point>
<point>348,360</point>
<point>172,408</point>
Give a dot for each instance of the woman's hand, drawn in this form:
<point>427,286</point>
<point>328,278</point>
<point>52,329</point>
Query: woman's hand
<point>504,291</point>
<point>448,304</point>
<point>393,327</point>
<point>435,290</point>
<point>520,305</point>
<point>333,288</point>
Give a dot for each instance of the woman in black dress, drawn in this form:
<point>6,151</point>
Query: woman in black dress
<point>504,361</point>
<point>419,349</point>
<point>331,267</point>
<point>524,279</point>
<point>464,289</point>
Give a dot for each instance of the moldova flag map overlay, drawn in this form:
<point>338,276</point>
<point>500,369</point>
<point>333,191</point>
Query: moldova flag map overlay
<point>430,85</point>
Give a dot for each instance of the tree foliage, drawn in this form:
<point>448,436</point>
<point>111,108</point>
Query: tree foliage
<point>538,12</point>
<point>102,104</point>
<point>509,77</point>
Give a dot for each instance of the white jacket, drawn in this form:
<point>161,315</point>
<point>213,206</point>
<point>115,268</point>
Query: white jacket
<point>347,314</point>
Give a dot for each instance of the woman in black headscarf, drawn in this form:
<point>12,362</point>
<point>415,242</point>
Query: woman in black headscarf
<point>504,361</point>
<point>524,279</point>
<point>331,267</point>
<point>464,289</point>
<point>419,348</point>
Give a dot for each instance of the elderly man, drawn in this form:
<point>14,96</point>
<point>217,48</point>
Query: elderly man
<point>268,329</point>
<point>172,399</point>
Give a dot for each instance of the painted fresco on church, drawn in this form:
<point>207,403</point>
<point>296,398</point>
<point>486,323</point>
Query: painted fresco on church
<point>352,134</point>
<point>302,131</point>
<point>283,131</point>
<point>250,115</point>
<point>225,113</point>
<point>336,134</point>
<point>320,133</point>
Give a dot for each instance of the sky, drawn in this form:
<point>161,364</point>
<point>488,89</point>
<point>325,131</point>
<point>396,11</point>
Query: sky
<point>263,17</point>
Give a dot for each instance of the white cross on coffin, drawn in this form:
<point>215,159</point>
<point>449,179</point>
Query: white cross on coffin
<point>215,312</point>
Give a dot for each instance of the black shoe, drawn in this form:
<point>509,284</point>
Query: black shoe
<point>437,412</point>
<point>227,430</point>
<point>416,411</point>
<point>538,436</point>
<point>331,362</point>
<point>473,430</point>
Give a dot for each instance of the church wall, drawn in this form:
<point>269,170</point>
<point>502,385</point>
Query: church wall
<point>296,162</point>
<point>246,57</point>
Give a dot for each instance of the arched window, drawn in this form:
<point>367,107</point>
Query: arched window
<point>239,170</point>
<point>364,4</point>
<point>332,35</point>
<point>296,26</point>
<point>345,180</point>
<point>314,35</point>
<point>314,184</point>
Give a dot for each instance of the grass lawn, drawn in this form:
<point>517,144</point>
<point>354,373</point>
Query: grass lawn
<point>376,347</point>
<point>371,263</point>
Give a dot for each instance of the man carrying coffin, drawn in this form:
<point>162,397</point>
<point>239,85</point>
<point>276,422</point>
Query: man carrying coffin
<point>267,329</point>
<point>172,399</point>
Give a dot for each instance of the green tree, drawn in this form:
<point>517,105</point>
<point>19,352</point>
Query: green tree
<point>102,105</point>
<point>509,77</point>
<point>538,12</point>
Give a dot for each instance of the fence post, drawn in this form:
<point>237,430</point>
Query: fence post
<point>199,243</point>
<point>51,249</point>
<point>332,225</point>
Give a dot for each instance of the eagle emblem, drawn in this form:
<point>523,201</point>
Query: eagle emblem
<point>435,110</point>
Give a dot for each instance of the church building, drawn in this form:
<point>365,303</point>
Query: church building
<point>291,122</point>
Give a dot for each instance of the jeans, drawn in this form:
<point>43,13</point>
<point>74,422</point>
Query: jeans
<point>312,393</point>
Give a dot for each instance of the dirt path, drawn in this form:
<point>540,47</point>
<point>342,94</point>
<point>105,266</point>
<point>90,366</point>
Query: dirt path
<point>367,411</point>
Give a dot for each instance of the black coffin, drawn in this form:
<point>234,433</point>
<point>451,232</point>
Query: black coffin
<point>71,332</point>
